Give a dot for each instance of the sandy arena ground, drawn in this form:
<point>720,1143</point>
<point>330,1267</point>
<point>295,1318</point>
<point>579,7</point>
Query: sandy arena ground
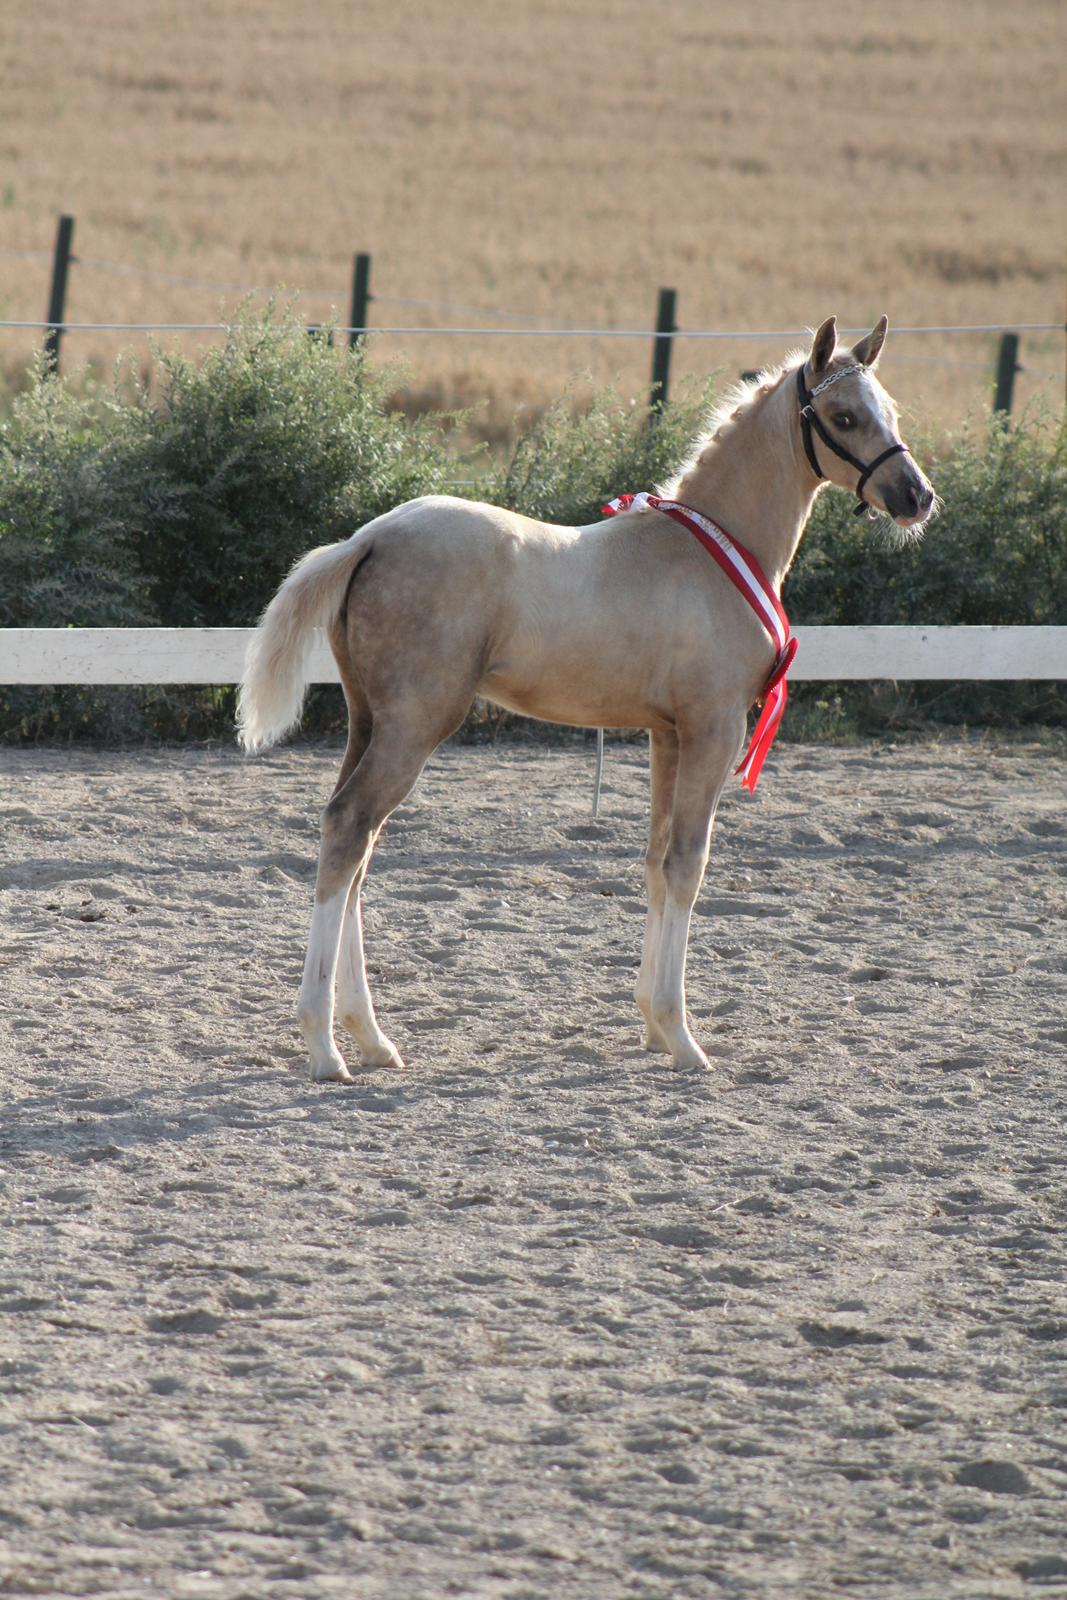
<point>539,1316</point>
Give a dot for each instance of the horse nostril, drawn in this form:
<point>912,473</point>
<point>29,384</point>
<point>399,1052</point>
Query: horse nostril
<point>918,499</point>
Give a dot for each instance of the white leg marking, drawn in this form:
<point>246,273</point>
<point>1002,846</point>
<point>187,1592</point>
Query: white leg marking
<point>354,1003</point>
<point>668,1004</point>
<point>646,977</point>
<point>315,1006</point>
<point>663,762</point>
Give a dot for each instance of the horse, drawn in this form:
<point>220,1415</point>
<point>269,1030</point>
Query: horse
<point>622,623</point>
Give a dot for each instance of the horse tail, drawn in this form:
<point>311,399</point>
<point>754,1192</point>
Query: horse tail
<point>271,696</point>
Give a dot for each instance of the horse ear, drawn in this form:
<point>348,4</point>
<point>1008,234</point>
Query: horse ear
<point>869,348</point>
<point>823,346</point>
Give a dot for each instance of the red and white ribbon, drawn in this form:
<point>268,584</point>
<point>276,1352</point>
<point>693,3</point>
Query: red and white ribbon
<point>745,572</point>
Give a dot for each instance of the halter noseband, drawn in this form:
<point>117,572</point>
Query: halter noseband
<point>809,419</point>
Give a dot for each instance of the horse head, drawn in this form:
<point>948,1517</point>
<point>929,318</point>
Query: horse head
<point>860,448</point>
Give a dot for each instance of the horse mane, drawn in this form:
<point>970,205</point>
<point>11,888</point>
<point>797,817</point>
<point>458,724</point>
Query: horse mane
<point>739,402</point>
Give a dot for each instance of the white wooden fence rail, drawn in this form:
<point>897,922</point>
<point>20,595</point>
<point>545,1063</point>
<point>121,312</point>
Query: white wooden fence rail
<point>216,655</point>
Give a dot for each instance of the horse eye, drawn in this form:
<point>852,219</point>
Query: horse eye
<point>844,419</point>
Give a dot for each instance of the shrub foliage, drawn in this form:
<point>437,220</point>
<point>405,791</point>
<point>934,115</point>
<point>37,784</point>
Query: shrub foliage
<point>997,554</point>
<point>270,446</point>
<point>186,506</point>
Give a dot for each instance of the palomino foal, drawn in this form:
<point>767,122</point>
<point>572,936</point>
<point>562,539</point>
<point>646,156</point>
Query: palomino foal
<point>624,623</point>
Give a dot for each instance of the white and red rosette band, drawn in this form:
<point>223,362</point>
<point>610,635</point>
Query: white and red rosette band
<point>746,574</point>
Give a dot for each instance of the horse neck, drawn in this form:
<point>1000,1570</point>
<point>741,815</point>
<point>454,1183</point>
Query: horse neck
<point>753,479</point>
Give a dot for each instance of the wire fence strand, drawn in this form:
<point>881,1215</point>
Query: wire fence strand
<point>565,331</point>
<point>542,333</point>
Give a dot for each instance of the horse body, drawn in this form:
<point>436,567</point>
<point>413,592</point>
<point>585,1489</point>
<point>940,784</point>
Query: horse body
<point>622,623</point>
<point>603,627</point>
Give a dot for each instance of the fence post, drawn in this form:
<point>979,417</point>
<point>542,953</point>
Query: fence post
<point>661,352</point>
<point>357,317</point>
<point>1007,367</point>
<point>57,298</point>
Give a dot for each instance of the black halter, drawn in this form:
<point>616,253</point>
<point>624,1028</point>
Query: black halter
<point>809,419</point>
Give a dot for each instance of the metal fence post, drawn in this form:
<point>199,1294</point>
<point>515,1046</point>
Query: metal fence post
<point>58,296</point>
<point>661,351</point>
<point>1007,367</point>
<point>357,317</point>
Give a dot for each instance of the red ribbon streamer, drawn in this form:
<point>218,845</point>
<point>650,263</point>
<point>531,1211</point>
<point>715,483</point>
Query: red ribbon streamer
<point>746,574</point>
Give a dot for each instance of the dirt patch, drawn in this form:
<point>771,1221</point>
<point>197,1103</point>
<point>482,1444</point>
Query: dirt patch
<point>538,1314</point>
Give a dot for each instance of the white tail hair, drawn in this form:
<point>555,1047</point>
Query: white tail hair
<point>272,691</point>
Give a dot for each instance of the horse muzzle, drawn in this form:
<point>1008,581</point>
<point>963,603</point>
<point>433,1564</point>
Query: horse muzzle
<point>908,498</point>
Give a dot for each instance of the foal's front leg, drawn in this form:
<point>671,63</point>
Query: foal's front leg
<point>703,764</point>
<point>663,751</point>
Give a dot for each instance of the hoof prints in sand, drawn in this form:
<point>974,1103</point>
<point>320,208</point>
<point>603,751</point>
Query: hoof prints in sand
<point>539,1314</point>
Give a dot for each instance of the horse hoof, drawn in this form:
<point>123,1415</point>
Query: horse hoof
<point>389,1059</point>
<point>655,1042</point>
<point>331,1073</point>
<point>691,1060</point>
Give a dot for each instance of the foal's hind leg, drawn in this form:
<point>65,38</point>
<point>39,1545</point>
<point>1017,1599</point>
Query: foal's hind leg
<point>389,767</point>
<point>354,1004</point>
<point>663,749</point>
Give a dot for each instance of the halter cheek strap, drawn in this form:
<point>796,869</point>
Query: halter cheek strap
<point>809,419</point>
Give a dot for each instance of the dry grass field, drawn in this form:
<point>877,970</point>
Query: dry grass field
<point>554,161</point>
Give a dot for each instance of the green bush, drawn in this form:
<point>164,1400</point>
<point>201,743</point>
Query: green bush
<point>68,488</point>
<point>272,444</point>
<point>997,554</point>
<point>186,508</point>
<point>67,525</point>
<point>569,463</point>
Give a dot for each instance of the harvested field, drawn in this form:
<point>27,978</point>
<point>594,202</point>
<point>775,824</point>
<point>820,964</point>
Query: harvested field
<point>514,165</point>
<point>538,1315</point>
